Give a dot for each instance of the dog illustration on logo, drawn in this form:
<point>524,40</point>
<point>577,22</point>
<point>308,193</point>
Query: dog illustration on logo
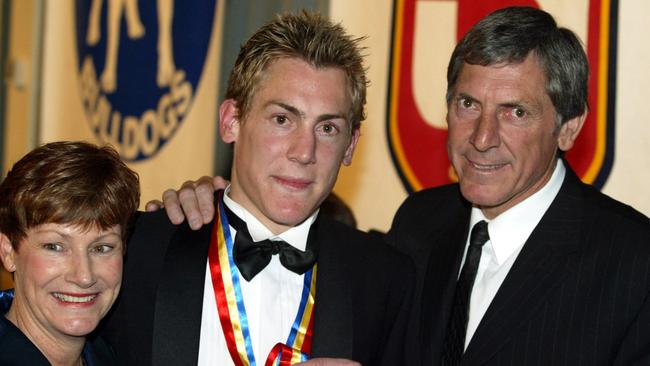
<point>135,30</point>
<point>129,103</point>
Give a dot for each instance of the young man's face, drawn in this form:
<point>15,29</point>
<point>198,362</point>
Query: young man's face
<point>503,136</point>
<point>290,146</point>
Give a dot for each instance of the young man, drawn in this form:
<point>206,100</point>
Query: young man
<point>269,278</point>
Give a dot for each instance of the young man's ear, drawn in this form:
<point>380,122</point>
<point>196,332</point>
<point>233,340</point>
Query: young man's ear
<point>569,132</point>
<point>229,121</point>
<point>7,253</point>
<point>354,139</point>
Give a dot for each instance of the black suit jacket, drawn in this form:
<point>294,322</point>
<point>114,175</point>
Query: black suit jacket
<point>363,296</point>
<point>18,350</point>
<point>577,294</point>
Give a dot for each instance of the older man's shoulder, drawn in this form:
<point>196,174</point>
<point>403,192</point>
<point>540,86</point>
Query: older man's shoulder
<point>371,246</point>
<point>605,208</point>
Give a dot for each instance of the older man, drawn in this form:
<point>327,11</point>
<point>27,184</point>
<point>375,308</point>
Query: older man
<point>553,272</point>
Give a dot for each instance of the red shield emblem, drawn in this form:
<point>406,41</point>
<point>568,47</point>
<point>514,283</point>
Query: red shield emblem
<point>424,34</point>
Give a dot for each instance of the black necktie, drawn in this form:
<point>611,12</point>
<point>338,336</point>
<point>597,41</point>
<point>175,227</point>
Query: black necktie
<point>251,257</point>
<point>457,329</point>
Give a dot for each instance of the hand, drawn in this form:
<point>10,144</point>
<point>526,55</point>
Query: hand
<point>194,200</point>
<point>329,362</point>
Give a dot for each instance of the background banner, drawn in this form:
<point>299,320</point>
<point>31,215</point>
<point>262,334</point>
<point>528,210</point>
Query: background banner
<point>139,75</point>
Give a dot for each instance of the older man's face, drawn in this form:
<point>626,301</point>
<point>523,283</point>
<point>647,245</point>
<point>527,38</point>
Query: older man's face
<point>502,133</point>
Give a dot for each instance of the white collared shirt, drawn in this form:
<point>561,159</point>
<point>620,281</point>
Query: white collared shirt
<point>508,233</point>
<point>271,298</point>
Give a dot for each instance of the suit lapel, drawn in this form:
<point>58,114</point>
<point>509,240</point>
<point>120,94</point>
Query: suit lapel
<point>333,328</point>
<point>179,300</point>
<point>538,270</point>
<point>440,283</point>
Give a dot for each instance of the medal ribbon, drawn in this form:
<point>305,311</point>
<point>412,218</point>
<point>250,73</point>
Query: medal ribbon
<point>232,312</point>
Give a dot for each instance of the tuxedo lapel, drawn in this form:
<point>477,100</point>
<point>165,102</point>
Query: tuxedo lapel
<point>333,328</point>
<point>180,297</point>
<point>540,268</point>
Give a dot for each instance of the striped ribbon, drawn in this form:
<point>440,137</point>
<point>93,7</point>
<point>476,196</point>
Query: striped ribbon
<point>232,312</point>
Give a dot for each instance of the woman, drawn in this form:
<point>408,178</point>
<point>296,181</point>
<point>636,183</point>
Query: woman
<point>64,212</point>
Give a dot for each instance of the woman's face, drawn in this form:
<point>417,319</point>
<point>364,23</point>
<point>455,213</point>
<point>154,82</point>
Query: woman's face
<point>66,278</point>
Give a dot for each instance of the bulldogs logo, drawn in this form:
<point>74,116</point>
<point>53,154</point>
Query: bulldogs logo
<point>139,65</point>
<point>424,35</point>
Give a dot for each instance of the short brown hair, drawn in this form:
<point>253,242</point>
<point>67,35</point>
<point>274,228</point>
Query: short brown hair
<point>309,37</point>
<point>68,183</point>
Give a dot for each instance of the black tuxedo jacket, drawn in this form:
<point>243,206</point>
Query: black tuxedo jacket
<point>577,294</point>
<point>363,296</point>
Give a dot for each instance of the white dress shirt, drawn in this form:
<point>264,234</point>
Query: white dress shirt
<point>271,298</point>
<point>508,233</point>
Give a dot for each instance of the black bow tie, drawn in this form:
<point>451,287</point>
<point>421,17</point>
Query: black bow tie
<point>252,257</point>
